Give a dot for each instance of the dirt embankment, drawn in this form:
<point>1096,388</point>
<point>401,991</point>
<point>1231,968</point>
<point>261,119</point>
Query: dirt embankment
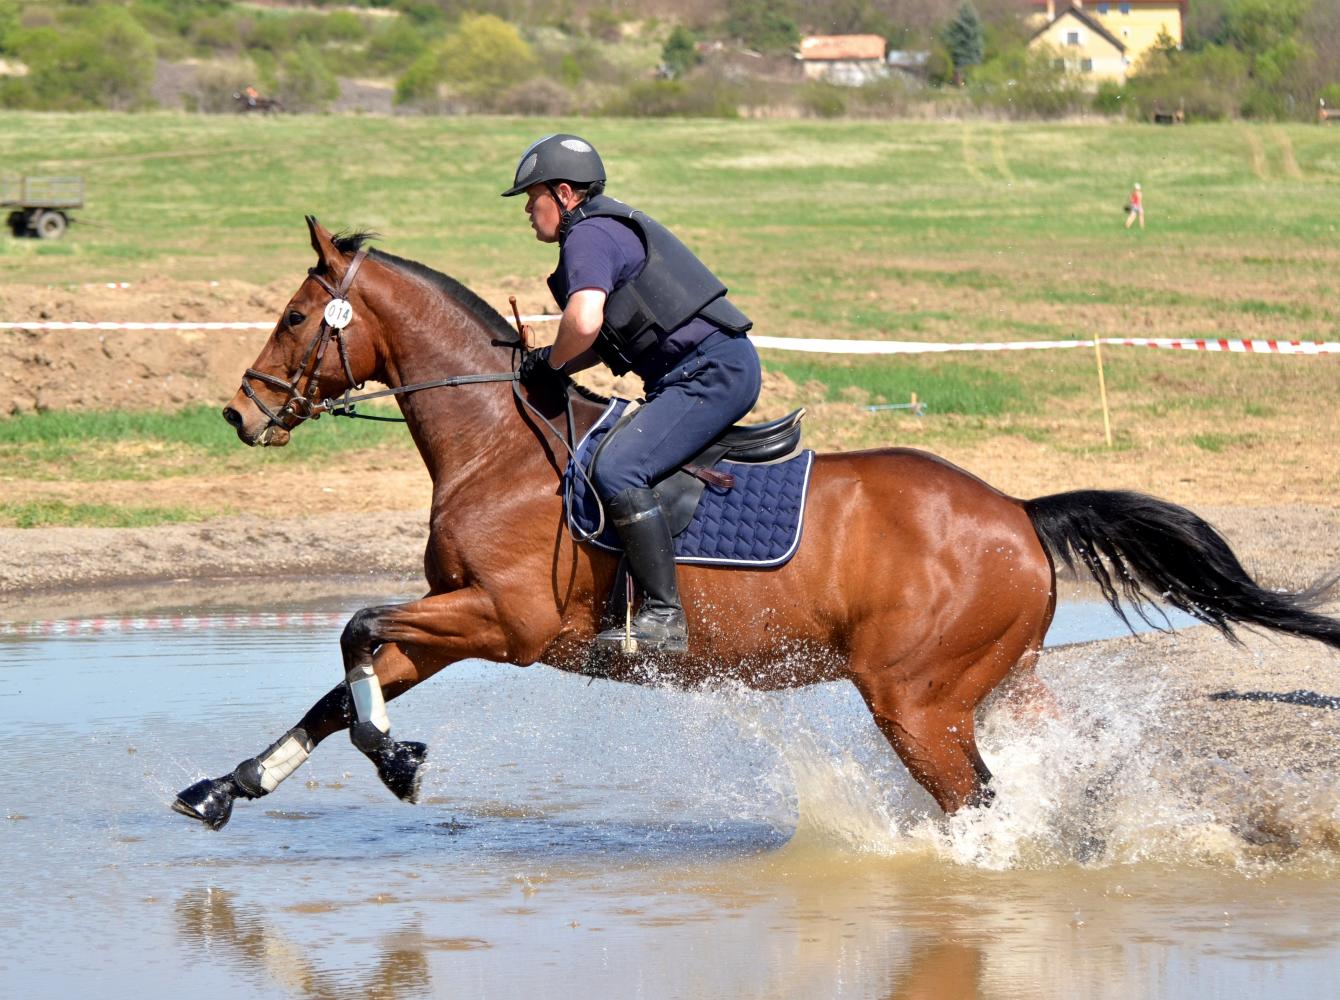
<point>1287,545</point>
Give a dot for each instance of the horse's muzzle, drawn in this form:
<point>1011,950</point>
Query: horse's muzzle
<point>272,436</point>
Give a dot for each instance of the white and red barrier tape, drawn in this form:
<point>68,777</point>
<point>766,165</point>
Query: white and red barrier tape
<point>76,325</point>
<point>1231,346</point>
<point>816,346</point>
<point>170,623</point>
<point>83,325</point>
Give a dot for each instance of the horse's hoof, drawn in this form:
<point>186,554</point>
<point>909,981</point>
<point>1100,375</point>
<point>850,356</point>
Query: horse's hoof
<point>400,769</point>
<point>209,800</point>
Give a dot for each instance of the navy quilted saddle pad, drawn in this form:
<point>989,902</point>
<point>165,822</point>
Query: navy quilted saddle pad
<point>757,522</point>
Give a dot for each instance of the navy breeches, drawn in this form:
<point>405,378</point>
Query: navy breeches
<point>710,388</point>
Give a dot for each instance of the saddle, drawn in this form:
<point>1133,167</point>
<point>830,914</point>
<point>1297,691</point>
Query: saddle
<point>748,444</point>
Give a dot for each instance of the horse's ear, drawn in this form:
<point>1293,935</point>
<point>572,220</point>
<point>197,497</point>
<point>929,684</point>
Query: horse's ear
<point>322,242</point>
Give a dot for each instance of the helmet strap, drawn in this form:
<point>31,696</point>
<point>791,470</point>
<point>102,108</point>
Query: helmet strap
<point>566,216</point>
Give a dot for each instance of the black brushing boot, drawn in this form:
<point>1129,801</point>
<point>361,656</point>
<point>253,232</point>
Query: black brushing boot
<point>659,625</point>
<point>398,763</point>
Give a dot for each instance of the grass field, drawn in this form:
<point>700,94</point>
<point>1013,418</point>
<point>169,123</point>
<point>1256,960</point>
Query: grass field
<point>913,231</point>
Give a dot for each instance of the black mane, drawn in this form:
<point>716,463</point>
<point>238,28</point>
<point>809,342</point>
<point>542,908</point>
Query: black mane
<point>348,243</point>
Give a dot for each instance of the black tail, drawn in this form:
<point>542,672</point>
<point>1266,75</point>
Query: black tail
<point>1160,553</point>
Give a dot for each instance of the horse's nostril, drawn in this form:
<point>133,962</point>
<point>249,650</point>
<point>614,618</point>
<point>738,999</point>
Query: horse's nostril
<point>232,416</point>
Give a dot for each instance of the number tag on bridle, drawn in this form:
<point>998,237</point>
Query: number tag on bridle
<point>338,313</point>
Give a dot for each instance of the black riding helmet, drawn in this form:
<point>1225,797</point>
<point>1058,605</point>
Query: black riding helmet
<point>557,158</point>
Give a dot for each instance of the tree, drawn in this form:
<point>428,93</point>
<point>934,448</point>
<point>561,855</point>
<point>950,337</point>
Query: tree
<point>765,25</point>
<point>480,60</point>
<point>100,58</point>
<point>680,53</point>
<point>9,20</point>
<point>485,55</point>
<point>305,83</point>
<point>1258,25</point>
<point>964,39</point>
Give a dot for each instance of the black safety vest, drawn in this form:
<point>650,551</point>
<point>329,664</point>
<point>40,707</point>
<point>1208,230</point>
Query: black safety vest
<point>672,288</point>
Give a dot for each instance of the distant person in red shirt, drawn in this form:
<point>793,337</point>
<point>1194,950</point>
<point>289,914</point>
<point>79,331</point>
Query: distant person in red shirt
<point>1135,208</point>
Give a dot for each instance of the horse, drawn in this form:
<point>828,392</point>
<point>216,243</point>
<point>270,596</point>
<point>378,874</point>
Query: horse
<point>265,105</point>
<point>914,580</point>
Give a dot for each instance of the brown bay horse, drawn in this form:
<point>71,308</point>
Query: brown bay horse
<point>914,580</point>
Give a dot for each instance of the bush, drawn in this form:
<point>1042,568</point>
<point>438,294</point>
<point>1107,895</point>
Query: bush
<point>17,93</point>
<point>480,60</point>
<point>304,82</point>
<point>395,45</point>
<point>1027,83</point>
<point>1110,98</point>
<point>889,97</point>
<point>604,24</point>
<point>540,96</point>
<point>703,97</point>
<point>765,25</point>
<point>680,52</point>
<point>9,21</point>
<point>1208,85</point>
<point>216,34</point>
<point>214,87</point>
<point>99,58</point>
<point>823,100</point>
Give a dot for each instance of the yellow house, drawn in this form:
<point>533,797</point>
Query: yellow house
<point>1106,38</point>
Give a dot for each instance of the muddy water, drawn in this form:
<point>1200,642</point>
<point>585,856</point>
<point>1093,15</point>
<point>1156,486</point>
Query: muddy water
<point>594,840</point>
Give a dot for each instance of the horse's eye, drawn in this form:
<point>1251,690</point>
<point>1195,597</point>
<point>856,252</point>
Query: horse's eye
<point>295,318</point>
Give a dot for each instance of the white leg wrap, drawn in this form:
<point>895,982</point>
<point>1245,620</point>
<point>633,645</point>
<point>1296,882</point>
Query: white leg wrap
<point>283,759</point>
<point>369,705</point>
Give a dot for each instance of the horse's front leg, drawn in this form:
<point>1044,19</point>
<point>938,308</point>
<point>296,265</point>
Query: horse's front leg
<point>210,800</point>
<point>387,650</point>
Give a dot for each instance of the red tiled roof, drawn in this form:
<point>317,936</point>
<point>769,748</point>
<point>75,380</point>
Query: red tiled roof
<point>842,47</point>
<point>1091,4</point>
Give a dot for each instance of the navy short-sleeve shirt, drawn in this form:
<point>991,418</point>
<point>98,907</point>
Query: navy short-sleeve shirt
<point>605,253</point>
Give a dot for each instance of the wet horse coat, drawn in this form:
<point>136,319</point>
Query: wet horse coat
<point>916,581</point>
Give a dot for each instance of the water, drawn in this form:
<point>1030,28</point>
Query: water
<point>603,840</point>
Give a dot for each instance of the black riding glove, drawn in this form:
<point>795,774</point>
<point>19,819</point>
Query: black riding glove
<point>536,373</point>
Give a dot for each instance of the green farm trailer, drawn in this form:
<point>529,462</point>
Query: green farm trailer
<point>40,206</point>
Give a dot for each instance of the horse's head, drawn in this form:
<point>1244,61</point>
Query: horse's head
<point>295,372</point>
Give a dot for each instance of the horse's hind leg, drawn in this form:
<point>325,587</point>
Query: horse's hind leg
<point>937,745</point>
<point>924,704</point>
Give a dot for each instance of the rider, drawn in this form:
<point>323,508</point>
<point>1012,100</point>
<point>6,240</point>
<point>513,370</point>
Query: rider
<point>634,297</point>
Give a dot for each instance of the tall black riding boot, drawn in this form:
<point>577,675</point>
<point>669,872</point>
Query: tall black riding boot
<point>659,623</point>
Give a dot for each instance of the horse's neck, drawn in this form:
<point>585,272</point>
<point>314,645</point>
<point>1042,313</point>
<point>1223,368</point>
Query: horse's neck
<point>470,435</point>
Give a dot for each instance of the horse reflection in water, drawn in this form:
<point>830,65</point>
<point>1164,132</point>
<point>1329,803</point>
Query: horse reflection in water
<point>916,581</point>
<point>209,919</point>
<point>212,922</point>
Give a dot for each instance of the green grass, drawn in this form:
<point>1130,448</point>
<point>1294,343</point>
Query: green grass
<point>145,445</point>
<point>944,389</point>
<point>848,229</point>
<point>59,514</point>
<point>1217,442</point>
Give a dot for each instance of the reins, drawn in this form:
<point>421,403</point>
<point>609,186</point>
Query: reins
<point>305,404</point>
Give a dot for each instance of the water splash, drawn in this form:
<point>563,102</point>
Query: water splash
<point>1112,775</point>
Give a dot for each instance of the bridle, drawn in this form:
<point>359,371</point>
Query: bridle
<point>303,386</point>
<point>304,403</point>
